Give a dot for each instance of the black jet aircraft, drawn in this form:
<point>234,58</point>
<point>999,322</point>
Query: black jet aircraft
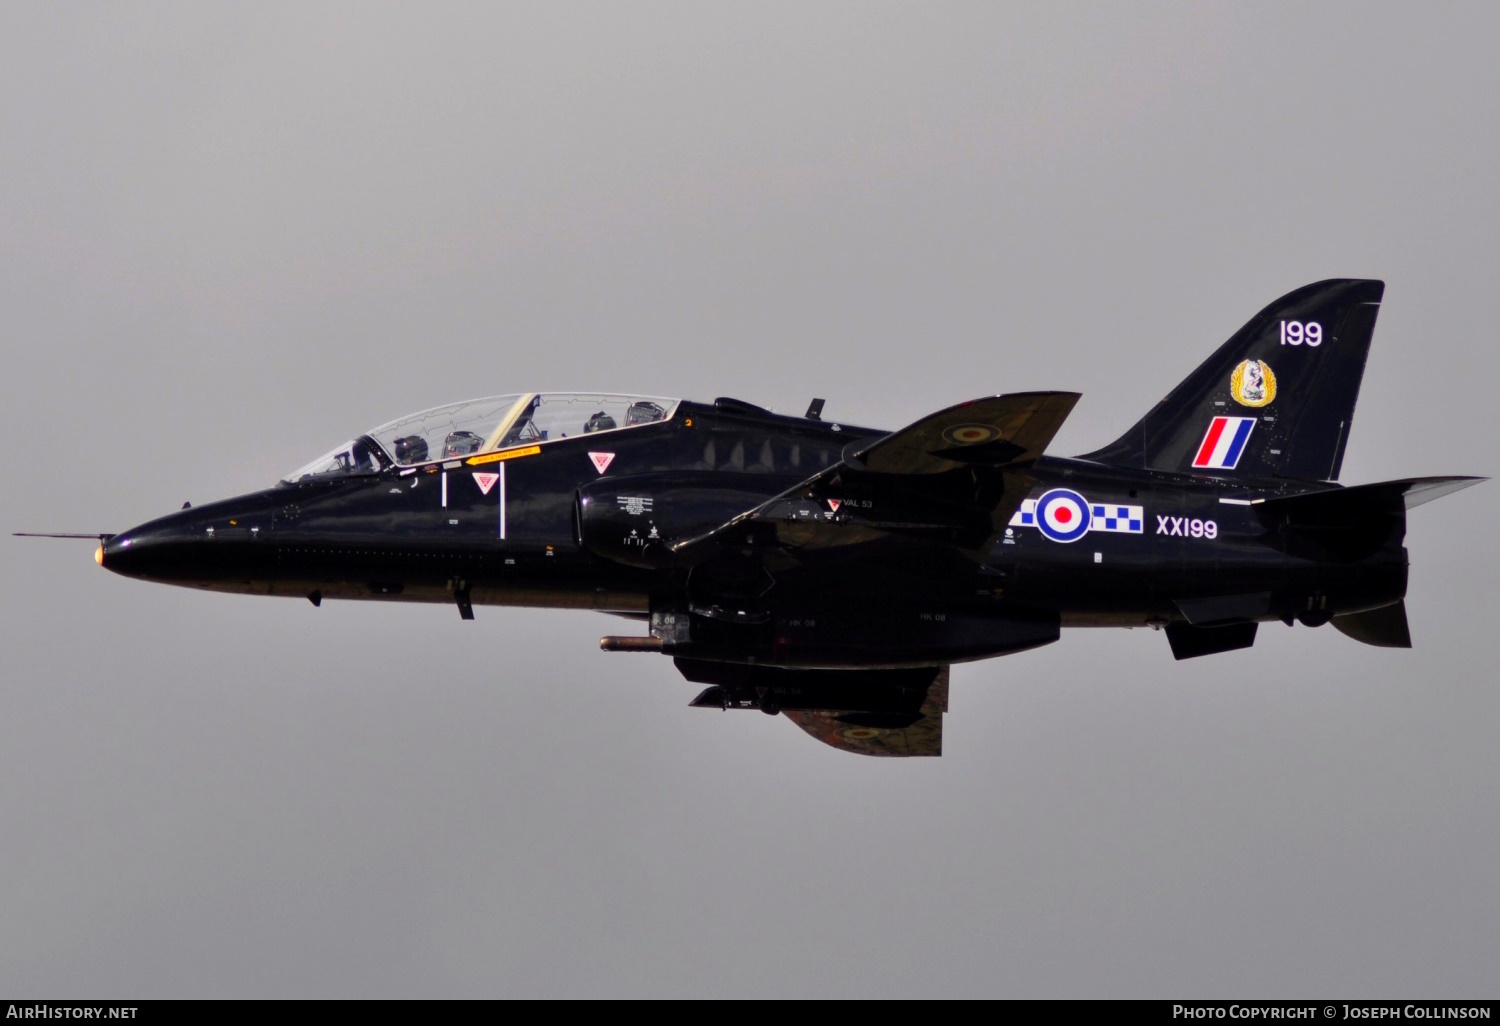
<point>833,573</point>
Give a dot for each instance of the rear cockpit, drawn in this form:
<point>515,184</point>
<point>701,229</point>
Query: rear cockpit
<point>476,426</point>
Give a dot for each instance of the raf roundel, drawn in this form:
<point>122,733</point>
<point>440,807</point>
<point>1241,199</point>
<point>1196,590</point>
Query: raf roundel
<point>970,434</point>
<point>1062,515</point>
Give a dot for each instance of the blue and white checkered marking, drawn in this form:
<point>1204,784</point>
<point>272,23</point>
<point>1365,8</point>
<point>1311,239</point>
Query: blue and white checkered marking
<point>1110,519</point>
<point>1120,519</point>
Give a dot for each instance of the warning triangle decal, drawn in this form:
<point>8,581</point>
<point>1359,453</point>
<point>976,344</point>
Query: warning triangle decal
<point>485,481</point>
<point>834,504</point>
<point>602,460</point>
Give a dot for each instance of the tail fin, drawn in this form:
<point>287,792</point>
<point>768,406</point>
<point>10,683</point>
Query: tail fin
<point>1277,399</point>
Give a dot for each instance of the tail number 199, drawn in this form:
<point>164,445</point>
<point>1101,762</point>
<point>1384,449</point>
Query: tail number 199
<point>1295,333</point>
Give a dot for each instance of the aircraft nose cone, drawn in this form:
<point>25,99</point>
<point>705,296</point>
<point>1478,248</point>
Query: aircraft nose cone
<point>218,541</point>
<point>151,550</point>
<point>115,554</point>
<point>225,540</point>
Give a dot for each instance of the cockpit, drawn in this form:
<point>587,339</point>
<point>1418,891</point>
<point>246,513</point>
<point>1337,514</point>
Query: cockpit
<point>487,425</point>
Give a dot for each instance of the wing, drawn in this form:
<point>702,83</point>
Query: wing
<point>851,733</point>
<point>952,479</point>
<point>868,712</point>
<point>996,431</point>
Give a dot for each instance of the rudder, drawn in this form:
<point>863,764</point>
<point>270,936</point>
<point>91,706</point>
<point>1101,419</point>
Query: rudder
<point>1277,399</point>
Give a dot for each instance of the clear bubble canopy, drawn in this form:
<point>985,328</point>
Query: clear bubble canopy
<point>485,425</point>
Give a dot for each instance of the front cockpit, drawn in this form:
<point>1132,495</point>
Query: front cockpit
<point>486,425</point>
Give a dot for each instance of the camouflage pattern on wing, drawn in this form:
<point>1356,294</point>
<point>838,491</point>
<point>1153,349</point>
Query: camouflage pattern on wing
<point>999,430</point>
<point>858,733</point>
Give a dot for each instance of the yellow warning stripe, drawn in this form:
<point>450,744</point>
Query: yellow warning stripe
<point>503,454</point>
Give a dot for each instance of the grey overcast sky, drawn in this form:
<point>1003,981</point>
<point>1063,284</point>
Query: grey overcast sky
<point>233,235</point>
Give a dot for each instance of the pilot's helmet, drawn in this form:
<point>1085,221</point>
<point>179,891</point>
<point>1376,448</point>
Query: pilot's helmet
<point>410,449</point>
<point>461,443</point>
<point>600,421</point>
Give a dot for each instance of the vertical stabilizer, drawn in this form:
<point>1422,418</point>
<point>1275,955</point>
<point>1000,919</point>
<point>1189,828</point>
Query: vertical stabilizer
<point>1277,399</point>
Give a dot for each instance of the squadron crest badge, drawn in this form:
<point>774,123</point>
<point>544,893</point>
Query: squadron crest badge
<point>1252,383</point>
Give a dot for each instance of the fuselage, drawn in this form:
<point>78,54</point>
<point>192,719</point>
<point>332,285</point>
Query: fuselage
<point>833,572</point>
<point>588,522</point>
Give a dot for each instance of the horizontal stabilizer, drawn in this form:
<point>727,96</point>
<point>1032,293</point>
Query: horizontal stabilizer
<point>1403,493</point>
<point>1349,523</point>
<point>1384,627</point>
<point>1188,641</point>
<point>1425,489</point>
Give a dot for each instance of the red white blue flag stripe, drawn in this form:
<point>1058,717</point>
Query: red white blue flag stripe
<point>1224,443</point>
